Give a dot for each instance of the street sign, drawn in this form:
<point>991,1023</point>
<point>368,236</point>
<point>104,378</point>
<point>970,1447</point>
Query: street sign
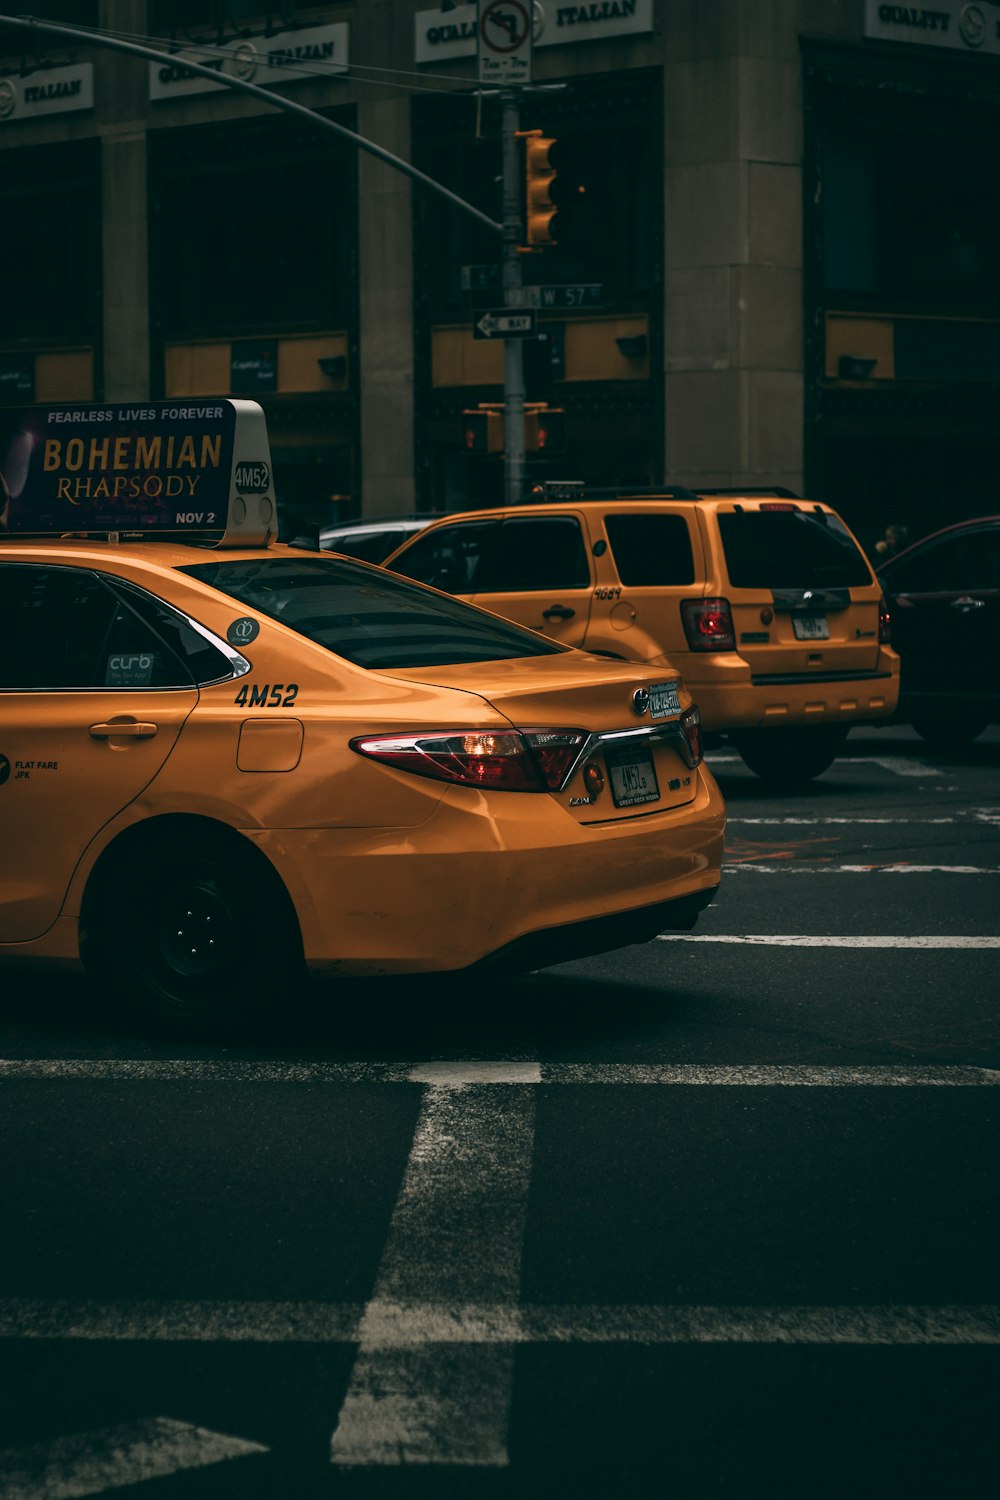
<point>503,323</point>
<point>584,294</point>
<point>481,278</point>
<point>504,41</point>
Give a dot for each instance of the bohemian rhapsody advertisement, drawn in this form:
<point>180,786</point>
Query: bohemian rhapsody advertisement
<point>162,466</point>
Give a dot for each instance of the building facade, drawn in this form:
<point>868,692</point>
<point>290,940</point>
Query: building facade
<point>774,263</point>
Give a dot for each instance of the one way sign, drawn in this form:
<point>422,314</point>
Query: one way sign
<point>503,323</point>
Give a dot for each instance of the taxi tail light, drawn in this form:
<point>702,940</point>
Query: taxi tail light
<point>884,623</point>
<point>708,624</point>
<point>502,760</point>
<point>691,730</point>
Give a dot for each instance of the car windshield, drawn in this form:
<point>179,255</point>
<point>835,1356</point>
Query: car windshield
<point>790,549</point>
<point>374,619</point>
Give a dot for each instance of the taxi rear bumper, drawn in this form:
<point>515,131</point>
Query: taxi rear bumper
<point>486,873</point>
<point>733,696</point>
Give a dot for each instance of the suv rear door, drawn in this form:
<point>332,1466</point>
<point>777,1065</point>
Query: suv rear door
<point>658,560</point>
<point>803,597</point>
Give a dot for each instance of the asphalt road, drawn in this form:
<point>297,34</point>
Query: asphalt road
<point>712,1217</point>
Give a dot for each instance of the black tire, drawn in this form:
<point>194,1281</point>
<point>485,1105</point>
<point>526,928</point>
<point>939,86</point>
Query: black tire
<point>790,757</point>
<point>945,733</point>
<point>196,929</point>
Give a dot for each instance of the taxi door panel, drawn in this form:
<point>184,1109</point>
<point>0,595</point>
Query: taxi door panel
<point>537,571</point>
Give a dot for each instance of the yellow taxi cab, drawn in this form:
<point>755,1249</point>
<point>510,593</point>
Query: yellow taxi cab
<point>763,603</point>
<point>225,760</point>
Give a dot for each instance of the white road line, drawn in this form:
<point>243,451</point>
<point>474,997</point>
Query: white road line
<point>88,1463</point>
<point>456,1237</point>
<point>86,1070</point>
<point>795,868</point>
<point>813,822</point>
<point>416,1325</point>
<point>796,940</point>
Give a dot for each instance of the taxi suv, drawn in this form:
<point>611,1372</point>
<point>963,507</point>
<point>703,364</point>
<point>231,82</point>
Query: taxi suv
<point>764,604</point>
<point>225,760</point>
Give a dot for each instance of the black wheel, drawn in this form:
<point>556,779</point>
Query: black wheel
<point>946,733</point>
<point>196,929</point>
<point>790,757</point>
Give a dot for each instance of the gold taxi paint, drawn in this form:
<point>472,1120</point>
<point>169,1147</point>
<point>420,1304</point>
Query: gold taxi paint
<point>387,872</point>
<point>642,623</point>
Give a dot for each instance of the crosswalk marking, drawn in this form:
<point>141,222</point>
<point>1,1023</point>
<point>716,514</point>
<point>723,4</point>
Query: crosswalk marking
<point>409,1325</point>
<point>800,940</point>
<point>109,1458</point>
<point>895,868</point>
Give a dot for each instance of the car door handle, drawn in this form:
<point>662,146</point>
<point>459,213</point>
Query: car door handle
<point>966,604</point>
<point>132,729</point>
<point>558,612</point>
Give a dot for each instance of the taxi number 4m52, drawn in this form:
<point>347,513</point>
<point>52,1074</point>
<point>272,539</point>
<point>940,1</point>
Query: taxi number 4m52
<point>633,778</point>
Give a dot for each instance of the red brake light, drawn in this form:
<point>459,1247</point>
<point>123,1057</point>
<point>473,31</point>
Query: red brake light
<point>708,624</point>
<point>691,730</point>
<point>884,623</point>
<point>777,505</point>
<point>501,760</point>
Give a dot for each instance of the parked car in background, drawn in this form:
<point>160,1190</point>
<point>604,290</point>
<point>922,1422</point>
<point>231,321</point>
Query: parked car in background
<point>763,602</point>
<point>373,540</point>
<point>944,596</point>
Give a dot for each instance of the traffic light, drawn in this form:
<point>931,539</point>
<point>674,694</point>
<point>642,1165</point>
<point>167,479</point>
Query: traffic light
<point>544,429</point>
<point>540,207</point>
<point>482,430</point>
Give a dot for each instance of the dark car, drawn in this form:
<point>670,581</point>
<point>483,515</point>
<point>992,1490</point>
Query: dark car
<point>373,540</point>
<point>944,599</point>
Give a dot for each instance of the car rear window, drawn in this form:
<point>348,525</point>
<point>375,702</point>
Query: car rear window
<point>375,619</point>
<point>791,549</point>
<point>650,550</point>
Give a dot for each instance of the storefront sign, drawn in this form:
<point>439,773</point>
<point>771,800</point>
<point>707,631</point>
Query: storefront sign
<point>49,91</point>
<point>948,23</point>
<point>442,35</point>
<point>288,57</point>
<point>253,366</point>
<point>17,378</point>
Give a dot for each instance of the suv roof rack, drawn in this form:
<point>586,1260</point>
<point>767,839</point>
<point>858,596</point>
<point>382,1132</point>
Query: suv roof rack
<point>576,489</point>
<point>747,491</point>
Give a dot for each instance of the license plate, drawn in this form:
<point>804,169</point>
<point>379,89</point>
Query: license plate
<point>633,779</point>
<point>810,627</point>
<point>663,700</point>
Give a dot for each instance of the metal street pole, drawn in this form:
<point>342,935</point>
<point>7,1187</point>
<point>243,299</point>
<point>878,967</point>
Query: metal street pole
<point>513,350</point>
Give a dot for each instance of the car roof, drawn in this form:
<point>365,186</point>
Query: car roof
<point>379,523</point>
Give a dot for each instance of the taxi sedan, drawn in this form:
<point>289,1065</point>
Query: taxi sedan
<point>219,769</point>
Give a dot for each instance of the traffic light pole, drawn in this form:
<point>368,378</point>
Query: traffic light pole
<point>513,349</point>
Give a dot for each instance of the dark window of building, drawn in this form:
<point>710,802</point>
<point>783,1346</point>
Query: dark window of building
<point>51,198</point>
<point>226,16</point>
<point>39,50</point>
<point>251,229</point>
<point>651,550</point>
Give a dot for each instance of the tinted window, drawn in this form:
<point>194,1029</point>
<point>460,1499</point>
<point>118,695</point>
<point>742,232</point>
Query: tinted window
<point>790,550</point>
<point>650,549</point>
<point>370,546</point>
<point>200,661</point>
<point>375,619</point>
<point>532,553</point>
<point>449,558</point>
<point>65,628</point>
<point>949,566</point>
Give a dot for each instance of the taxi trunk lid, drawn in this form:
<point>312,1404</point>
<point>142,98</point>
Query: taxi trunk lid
<point>627,764</point>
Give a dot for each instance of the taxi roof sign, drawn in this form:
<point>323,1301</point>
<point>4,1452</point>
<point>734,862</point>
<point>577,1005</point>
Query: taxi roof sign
<point>195,470</point>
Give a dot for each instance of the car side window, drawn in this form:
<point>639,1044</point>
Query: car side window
<point>66,629</point>
<point>950,566</point>
<point>448,558</point>
<point>650,549</point>
<point>530,553</point>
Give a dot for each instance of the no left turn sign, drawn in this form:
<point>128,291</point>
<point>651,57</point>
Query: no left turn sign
<point>505,35</point>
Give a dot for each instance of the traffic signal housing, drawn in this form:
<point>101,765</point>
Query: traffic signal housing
<point>540,208</point>
<point>482,430</point>
<point>544,429</point>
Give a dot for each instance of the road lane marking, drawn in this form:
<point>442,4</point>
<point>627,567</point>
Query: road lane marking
<point>456,1237</point>
<point>897,868</point>
<point>108,1458</point>
<point>100,1069</point>
<point>410,1325</point>
<point>797,940</point>
<point>810,822</point>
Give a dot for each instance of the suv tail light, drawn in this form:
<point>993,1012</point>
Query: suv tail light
<point>691,730</point>
<point>501,760</point>
<point>884,623</point>
<point>708,624</point>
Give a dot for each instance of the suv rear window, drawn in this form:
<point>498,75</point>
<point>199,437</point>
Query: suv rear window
<point>650,549</point>
<point>375,619</point>
<point>790,550</point>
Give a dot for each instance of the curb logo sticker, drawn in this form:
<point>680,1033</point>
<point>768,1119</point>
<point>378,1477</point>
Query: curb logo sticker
<point>4,769</point>
<point>242,632</point>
